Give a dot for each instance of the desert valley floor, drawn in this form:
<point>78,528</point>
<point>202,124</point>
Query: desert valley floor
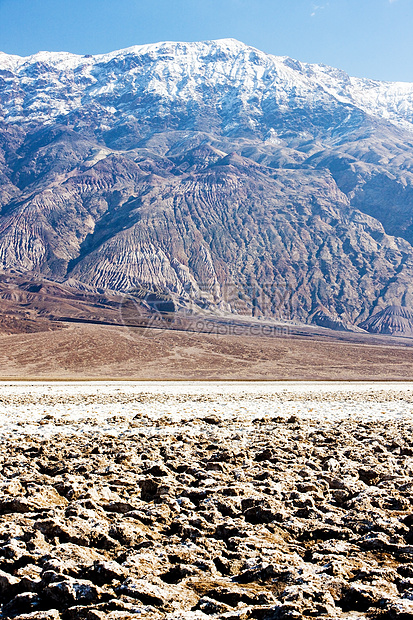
<point>62,350</point>
<point>196,500</point>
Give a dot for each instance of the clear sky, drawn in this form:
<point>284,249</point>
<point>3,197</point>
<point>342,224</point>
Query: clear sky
<point>366,38</point>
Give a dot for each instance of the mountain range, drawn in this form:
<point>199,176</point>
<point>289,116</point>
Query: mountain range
<point>214,175</point>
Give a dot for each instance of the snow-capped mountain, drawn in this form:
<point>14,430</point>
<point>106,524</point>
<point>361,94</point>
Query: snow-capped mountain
<point>45,86</point>
<point>206,168</point>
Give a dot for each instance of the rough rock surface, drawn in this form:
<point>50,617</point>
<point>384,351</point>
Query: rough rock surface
<point>285,518</point>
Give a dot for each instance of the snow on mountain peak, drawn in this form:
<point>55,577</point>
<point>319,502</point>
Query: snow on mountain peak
<point>48,85</point>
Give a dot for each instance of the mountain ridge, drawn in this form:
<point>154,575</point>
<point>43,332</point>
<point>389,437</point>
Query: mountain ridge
<point>227,176</point>
<point>333,81</point>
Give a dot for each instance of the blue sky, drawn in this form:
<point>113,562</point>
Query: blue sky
<point>366,38</point>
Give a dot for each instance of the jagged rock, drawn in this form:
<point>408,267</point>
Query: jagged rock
<point>87,613</point>
<point>159,595</point>
<point>21,603</point>
<point>68,558</point>
<point>265,537</point>
<point>69,592</point>
<point>362,597</point>
<point>402,609</point>
<point>105,572</point>
<point>50,614</point>
<point>75,532</point>
<point>8,584</point>
<point>45,498</point>
<point>211,606</point>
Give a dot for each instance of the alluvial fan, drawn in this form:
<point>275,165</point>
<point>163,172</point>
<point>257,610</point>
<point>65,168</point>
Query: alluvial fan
<point>394,320</point>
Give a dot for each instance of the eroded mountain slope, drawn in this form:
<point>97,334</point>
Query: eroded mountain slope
<point>226,176</point>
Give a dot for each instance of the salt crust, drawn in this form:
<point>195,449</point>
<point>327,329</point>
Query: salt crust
<point>46,408</point>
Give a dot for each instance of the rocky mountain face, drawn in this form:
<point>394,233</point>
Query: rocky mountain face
<point>229,179</point>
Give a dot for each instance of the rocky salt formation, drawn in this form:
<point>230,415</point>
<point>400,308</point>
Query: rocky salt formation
<point>284,518</point>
